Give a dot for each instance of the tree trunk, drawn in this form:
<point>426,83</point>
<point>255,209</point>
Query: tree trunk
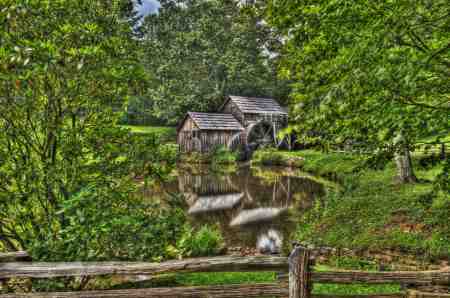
<point>405,172</point>
<point>442,153</point>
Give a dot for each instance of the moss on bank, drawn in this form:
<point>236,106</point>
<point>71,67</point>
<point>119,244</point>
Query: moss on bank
<point>372,212</point>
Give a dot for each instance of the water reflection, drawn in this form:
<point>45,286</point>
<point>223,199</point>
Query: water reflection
<point>270,242</point>
<point>252,206</point>
<point>256,215</point>
<point>211,203</point>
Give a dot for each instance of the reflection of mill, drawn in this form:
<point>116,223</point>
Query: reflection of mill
<point>248,208</point>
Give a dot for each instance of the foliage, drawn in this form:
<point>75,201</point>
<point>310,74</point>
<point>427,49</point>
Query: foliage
<point>205,242</point>
<point>273,157</point>
<point>139,111</point>
<point>66,69</point>
<point>104,227</point>
<point>366,71</point>
<point>442,182</point>
<point>193,158</point>
<point>200,51</point>
<point>221,155</point>
<point>151,157</point>
<point>219,158</point>
<point>268,157</point>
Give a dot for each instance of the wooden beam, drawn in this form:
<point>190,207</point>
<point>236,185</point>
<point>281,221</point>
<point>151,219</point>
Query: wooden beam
<point>438,277</point>
<point>14,256</point>
<point>396,295</point>
<point>393,277</point>
<point>417,294</point>
<point>299,275</point>
<point>216,264</point>
<point>227,291</point>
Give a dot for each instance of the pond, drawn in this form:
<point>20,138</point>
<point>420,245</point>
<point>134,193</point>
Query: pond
<point>254,207</point>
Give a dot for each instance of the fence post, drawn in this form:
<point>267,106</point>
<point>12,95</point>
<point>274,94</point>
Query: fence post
<point>299,276</point>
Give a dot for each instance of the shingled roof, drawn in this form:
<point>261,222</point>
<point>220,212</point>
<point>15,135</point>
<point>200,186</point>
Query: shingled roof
<point>213,121</point>
<point>256,105</point>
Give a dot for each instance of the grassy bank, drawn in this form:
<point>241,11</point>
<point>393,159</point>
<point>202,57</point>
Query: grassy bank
<point>168,133</point>
<point>372,212</point>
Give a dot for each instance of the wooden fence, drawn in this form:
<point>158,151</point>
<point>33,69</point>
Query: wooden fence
<point>296,277</point>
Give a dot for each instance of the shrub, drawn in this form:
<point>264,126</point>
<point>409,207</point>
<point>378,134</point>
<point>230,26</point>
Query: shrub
<point>156,163</point>
<point>222,155</point>
<point>273,157</point>
<point>103,225</point>
<point>205,242</point>
<point>193,158</point>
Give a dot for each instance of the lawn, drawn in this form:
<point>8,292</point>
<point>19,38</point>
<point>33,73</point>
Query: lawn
<point>151,129</point>
<point>168,133</point>
<point>372,212</point>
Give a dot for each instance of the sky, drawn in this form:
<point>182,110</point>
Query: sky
<point>148,6</point>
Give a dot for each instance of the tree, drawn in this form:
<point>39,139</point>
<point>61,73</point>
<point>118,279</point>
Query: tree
<point>200,51</point>
<point>369,72</point>
<point>66,68</point>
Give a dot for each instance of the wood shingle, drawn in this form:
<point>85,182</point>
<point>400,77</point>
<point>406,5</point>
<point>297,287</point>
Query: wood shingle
<point>213,121</point>
<point>256,105</point>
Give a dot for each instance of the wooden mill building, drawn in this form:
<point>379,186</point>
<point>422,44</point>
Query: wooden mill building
<point>248,121</point>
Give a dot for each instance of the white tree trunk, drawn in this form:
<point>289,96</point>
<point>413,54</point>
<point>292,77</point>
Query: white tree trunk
<point>405,172</point>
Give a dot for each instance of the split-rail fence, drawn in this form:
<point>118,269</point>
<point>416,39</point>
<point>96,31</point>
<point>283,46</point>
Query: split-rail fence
<point>296,277</point>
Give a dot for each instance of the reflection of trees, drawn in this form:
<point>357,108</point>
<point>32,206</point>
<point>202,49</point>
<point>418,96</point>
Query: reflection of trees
<point>246,206</point>
<point>209,193</point>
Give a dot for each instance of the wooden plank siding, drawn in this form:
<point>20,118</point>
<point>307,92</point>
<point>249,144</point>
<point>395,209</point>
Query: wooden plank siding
<point>202,132</point>
<point>203,141</point>
<point>231,108</point>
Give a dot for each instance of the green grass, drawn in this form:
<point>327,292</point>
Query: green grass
<point>331,164</point>
<point>352,289</point>
<point>205,279</point>
<point>356,289</point>
<point>168,132</point>
<point>372,212</point>
<point>228,278</point>
<point>223,278</point>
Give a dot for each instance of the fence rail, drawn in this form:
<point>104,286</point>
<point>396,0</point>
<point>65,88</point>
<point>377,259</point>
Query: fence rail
<point>14,256</point>
<point>299,267</point>
<point>230,291</point>
<point>216,264</point>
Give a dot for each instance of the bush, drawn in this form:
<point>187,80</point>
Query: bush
<point>156,163</point>
<point>193,158</point>
<point>205,242</point>
<point>273,157</point>
<point>102,225</point>
<point>222,155</point>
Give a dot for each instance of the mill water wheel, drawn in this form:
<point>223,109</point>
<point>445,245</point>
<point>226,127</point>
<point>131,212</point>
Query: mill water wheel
<point>261,134</point>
